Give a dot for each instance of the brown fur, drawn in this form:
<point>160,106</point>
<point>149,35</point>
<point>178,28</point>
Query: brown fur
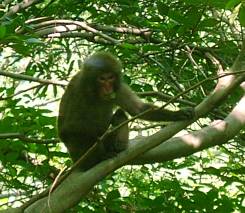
<point>84,115</point>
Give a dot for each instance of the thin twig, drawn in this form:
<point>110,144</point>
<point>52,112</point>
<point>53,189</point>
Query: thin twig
<point>30,78</point>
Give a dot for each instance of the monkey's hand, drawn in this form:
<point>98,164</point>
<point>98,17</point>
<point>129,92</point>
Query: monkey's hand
<point>185,113</point>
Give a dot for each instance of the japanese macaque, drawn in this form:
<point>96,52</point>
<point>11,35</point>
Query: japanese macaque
<point>86,110</point>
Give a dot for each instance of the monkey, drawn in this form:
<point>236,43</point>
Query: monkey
<point>86,110</point>
<point>117,141</point>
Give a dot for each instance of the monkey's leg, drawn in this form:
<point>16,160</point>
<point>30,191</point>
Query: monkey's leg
<point>79,149</point>
<point>118,140</point>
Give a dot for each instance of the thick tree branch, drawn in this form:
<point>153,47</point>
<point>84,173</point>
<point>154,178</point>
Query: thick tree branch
<point>78,184</point>
<point>219,132</point>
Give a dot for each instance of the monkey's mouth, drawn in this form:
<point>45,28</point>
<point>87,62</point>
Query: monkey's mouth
<point>109,96</point>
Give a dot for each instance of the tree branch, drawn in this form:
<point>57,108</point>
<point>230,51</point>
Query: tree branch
<point>20,6</point>
<point>218,133</point>
<point>62,28</point>
<point>78,184</point>
<point>30,78</point>
<point>27,139</point>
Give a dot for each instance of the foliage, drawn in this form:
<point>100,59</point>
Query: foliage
<point>165,46</point>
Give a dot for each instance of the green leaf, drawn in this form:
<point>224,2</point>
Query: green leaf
<point>242,16</point>
<point>177,16</point>
<point>232,3</point>
<point>192,17</point>
<point>218,3</point>
<point>2,31</point>
<point>34,41</point>
<point>209,22</point>
<point>162,8</point>
<point>194,2</point>
<point>113,195</point>
<point>12,171</point>
<point>129,46</point>
<point>12,156</point>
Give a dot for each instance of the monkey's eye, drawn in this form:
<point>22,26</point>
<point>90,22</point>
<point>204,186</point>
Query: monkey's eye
<point>107,77</point>
<point>111,78</point>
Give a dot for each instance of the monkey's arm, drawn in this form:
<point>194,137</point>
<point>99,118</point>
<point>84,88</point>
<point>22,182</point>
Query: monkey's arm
<point>130,102</point>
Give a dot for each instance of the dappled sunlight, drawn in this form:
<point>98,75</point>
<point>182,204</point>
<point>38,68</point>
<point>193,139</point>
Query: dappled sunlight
<point>196,140</point>
<point>219,125</point>
<point>239,114</point>
<point>192,140</point>
<point>179,145</point>
<point>213,131</point>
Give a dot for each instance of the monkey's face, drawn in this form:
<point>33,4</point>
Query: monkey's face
<point>106,86</point>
